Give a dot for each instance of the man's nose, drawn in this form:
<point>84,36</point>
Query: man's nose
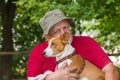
<point>62,31</point>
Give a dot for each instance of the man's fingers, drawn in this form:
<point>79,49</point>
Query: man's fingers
<point>72,79</point>
<point>64,65</point>
<point>72,69</point>
<point>74,76</point>
<point>78,71</point>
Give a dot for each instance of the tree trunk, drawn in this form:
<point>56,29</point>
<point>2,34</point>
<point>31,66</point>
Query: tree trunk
<point>7,8</point>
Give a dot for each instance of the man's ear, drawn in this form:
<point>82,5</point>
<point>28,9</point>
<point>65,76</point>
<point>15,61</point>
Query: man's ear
<point>47,37</point>
<point>65,37</point>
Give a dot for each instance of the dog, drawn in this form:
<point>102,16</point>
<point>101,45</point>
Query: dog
<point>60,48</point>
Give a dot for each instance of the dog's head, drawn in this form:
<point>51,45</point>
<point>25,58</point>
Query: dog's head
<point>56,44</point>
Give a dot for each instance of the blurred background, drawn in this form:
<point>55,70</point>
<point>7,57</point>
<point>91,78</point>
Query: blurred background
<point>20,30</point>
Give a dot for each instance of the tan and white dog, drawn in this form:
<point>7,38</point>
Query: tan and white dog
<point>64,52</point>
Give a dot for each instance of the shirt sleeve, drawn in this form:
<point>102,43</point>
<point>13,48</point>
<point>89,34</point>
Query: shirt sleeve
<point>35,62</point>
<point>96,55</point>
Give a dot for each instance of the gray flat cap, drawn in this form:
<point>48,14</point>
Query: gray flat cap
<point>51,18</point>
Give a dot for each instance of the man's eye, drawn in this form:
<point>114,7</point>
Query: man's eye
<point>66,27</point>
<point>56,32</point>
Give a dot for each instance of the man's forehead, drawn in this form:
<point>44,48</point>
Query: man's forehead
<point>62,23</point>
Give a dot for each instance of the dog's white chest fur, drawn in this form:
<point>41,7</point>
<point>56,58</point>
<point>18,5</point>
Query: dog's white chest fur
<point>84,78</point>
<point>67,51</point>
<point>68,61</point>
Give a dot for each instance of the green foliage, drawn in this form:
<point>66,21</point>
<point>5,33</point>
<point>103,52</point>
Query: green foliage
<point>19,66</point>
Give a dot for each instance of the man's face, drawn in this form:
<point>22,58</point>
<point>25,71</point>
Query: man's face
<point>59,28</point>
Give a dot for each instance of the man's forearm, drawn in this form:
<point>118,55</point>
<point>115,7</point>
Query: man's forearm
<point>40,76</point>
<point>111,72</point>
<point>111,75</point>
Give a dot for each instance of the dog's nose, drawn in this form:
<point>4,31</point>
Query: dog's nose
<point>44,53</point>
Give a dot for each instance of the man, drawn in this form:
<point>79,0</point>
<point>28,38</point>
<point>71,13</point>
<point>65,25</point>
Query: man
<point>55,23</point>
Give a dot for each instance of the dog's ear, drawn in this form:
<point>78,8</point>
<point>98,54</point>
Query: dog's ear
<point>47,37</point>
<point>65,37</point>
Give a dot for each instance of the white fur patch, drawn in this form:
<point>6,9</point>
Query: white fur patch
<point>69,61</point>
<point>48,50</point>
<point>84,78</point>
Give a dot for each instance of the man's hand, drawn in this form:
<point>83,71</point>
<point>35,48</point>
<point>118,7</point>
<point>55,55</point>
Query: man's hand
<point>110,72</point>
<point>64,73</point>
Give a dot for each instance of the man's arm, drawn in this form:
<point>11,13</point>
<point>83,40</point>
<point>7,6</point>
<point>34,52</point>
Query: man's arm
<point>110,71</point>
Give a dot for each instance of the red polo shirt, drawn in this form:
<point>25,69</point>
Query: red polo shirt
<point>84,46</point>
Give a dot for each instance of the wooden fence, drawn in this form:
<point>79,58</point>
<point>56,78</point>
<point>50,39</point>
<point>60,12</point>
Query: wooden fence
<point>14,54</point>
<point>21,53</point>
